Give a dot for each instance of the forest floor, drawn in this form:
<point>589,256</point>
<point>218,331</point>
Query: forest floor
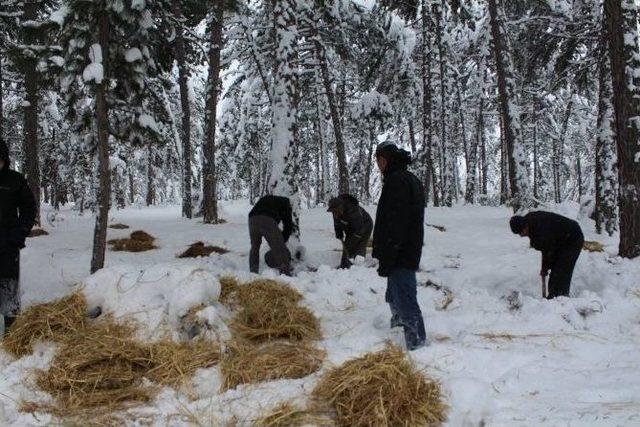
<point>502,361</point>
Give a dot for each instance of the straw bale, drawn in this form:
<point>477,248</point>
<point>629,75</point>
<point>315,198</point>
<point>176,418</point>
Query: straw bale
<point>288,415</point>
<point>245,363</point>
<point>50,321</point>
<point>199,249</point>
<point>382,389</point>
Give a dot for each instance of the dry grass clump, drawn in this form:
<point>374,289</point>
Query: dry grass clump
<point>138,241</point>
<point>37,232</point>
<point>104,366</point>
<point>592,246</point>
<point>268,310</point>
<point>276,320</point>
<point>198,249</point>
<point>228,287</point>
<point>382,389</point>
<point>287,415</point>
<point>119,226</point>
<point>51,321</point>
<point>245,363</point>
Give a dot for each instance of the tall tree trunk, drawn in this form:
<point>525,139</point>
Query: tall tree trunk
<point>284,163</point>
<point>183,82</point>
<point>31,148</point>
<point>536,160</point>
<point>504,167</point>
<point>210,202</point>
<point>151,192</point>
<point>104,177</point>
<point>509,110</point>
<point>446,180</point>
<point>1,99</point>
<point>427,113</point>
<point>605,167</point>
<point>369,165</point>
<point>579,177</point>
<point>558,152</point>
<point>622,31</point>
<point>132,193</point>
<point>485,167</point>
<point>343,171</point>
<point>321,197</point>
<point>473,155</point>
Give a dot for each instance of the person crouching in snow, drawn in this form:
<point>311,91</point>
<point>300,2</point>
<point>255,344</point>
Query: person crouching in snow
<point>264,219</point>
<point>17,216</point>
<point>352,225</point>
<point>560,240</point>
<point>398,238</point>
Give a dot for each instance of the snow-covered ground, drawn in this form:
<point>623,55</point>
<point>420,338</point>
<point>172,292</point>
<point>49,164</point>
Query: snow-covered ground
<point>563,362</point>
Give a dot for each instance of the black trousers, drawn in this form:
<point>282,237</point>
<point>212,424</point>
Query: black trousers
<point>562,269</point>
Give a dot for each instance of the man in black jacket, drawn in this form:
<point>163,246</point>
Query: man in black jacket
<point>17,216</point>
<point>398,238</point>
<point>264,220</point>
<point>352,225</point>
<point>560,240</point>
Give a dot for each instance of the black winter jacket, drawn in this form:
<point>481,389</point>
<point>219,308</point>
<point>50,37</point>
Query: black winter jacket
<point>354,220</point>
<point>278,208</point>
<point>550,233</point>
<point>17,216</point>
<point>399,230</point>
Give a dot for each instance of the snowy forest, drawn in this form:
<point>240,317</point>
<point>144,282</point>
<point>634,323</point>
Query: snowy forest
<point>393,154</point>
<point>155,102</point>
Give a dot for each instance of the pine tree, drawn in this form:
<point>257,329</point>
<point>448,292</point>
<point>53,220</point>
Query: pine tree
<point>621,18</point>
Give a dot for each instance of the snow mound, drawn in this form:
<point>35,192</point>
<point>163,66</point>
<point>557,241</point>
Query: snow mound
<point>158,297</point>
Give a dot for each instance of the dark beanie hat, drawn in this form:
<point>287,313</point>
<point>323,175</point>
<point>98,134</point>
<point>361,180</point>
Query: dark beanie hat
<point>4,152</point>
<point>517,224</point>
<point>392,153</point>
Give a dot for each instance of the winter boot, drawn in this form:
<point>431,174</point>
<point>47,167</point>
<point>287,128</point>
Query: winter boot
<point>414,335</point>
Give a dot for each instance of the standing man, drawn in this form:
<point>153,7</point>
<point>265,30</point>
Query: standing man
<point>353,227</point>
<point>17,216</point>
<point>264,220</point>
<point>398,238</point>
<point>560,240</point>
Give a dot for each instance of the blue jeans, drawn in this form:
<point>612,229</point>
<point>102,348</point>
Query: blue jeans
<point>402,298</point>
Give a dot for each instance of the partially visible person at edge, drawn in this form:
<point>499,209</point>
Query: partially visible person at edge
<point>17,216</point>
<point>560,240</point>
<point>352,225</point>
<point>398,238</point>
<point>264,219</point>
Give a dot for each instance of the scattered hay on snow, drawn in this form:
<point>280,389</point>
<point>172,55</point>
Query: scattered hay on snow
<point>37,232</point>
<point>382,389</point>
<point>228,287</point>
<point>268,310</point>
<point>51,321</point>
<point>104,366</point>
<point>262,320</point>
<point>592,246</point>
<point>245,363</point>
<point>198,249</point>
<point>139,241</point>
<point>287,415</point>
<point>119,226</point>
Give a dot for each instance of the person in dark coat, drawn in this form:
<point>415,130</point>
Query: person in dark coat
<point>17,216</point>
<point>398,238</point>
<point>264,219</point>
<point>353,226</point>
<point>560,240</point>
